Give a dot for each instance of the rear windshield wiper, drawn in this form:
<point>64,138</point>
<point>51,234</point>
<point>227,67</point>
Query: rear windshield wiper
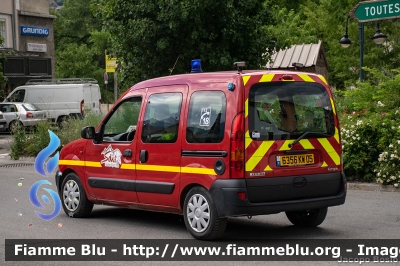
<point>318,134</point>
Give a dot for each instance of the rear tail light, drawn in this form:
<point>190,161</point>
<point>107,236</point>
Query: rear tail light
<point>82,107</point>
<point>237,147</point>
<point>29,115</point>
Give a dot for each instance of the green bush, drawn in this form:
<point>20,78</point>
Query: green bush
<point>370,117</point>
<point>30,144</point>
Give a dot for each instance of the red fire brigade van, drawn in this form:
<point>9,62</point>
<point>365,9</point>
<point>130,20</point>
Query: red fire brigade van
<point>212,146</point>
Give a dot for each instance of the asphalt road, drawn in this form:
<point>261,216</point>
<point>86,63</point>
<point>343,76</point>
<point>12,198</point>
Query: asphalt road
<point>365,215</point>
<point>5,140</point>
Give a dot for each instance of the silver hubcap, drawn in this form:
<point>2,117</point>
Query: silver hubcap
<point>71,195</point>
<point>198,213</point>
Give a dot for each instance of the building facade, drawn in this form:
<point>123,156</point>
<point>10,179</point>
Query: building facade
<point>27,29</point>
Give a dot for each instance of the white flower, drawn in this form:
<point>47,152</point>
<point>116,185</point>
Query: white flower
<point>398,142</point>
<point>378,174</point>
<point>380,104</point>
<point>396,185</point>
<point>390,145</point>
<point>352,126</point>
<point>393,127</point>
<point>393,177</point>
<point>366,142</point>
<point>358,138</point>
<point>359,122</point>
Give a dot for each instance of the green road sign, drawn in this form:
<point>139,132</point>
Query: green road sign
<point>376,10</point>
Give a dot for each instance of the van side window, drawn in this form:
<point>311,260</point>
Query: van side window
<point>17,96</point>
<point>161,120</point>
<point>121,125</point>
<point>206,117</point>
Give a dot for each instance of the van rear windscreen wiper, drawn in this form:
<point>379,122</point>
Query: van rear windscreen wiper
<point>317,134</point>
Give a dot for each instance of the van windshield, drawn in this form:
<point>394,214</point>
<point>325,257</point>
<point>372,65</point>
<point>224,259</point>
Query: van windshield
<point>287,110</point>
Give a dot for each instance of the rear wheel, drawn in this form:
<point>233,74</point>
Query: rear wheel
<point>73,197</point>
<point>15,125</point>
<point>200,215</point>
<point>311,218</point>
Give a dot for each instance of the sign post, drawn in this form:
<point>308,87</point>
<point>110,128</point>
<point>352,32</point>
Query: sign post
<point>376,10</point>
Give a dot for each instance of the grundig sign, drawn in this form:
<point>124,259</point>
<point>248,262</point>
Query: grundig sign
<point>376,10</point>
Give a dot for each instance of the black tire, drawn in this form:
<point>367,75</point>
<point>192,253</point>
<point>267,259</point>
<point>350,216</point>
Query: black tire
<point>200,215</point>
<point>311,218</point>
<point>73,197</point>
<point>15,125</point>
<point>63,122</point>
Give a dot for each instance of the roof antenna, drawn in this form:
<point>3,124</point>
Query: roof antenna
<point>239,66</point>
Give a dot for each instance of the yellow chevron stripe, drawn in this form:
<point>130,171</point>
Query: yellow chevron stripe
<point>246,108</point>
<point>258,155</point>
<point>267,78</point>
<point>247,140</point>
<point>323,79</point>
<point>285,146</point>
<point>337,135</point>
<point>324,165</point>
<point>245,79</point>
<point>330,150</point>
<point>268,168</point>
<point>306,144</point>
<point>333,106</point>
<point>306,77</point>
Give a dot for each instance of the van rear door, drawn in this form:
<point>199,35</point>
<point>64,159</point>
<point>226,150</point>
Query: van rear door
<point>292,144</point>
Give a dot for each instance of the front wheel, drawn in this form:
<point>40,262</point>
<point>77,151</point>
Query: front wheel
<point>311,218</point>
<point>200,215</point>
<point>73,196</point>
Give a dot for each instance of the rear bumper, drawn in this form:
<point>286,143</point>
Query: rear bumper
<point>228,203</point>
<point>33,122</point>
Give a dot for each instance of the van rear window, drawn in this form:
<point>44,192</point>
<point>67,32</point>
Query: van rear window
<point>206,117</point>
<point>286,110</point>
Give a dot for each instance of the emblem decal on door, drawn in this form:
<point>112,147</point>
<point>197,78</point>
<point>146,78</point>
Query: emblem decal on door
<point>205,117</point>
<point>112,158</point>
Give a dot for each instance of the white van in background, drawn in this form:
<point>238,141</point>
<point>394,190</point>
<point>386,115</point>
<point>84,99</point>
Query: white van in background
<point>61,98</point>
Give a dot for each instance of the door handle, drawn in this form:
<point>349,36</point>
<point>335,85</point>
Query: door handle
<point>144,156</point>
<point>127,153</point>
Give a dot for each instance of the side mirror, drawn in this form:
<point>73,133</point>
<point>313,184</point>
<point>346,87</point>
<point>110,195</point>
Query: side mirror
<point>88,133</point>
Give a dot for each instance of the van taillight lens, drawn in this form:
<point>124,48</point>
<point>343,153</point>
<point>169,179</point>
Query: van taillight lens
<point>237,147</point>
<point>82,107</point>
<point>29,115</point>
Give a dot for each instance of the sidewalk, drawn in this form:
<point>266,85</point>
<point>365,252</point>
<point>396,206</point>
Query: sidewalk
<point>6,161</point>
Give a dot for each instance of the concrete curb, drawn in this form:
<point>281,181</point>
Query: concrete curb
<point>5,160</point>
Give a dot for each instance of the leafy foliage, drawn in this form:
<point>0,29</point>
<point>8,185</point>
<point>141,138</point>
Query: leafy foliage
<point>157,38</point>
<point>31,143</point>
<point>370,118</point>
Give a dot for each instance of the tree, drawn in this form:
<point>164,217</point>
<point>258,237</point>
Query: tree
<point>156,38</point>
<point>80,44</point>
